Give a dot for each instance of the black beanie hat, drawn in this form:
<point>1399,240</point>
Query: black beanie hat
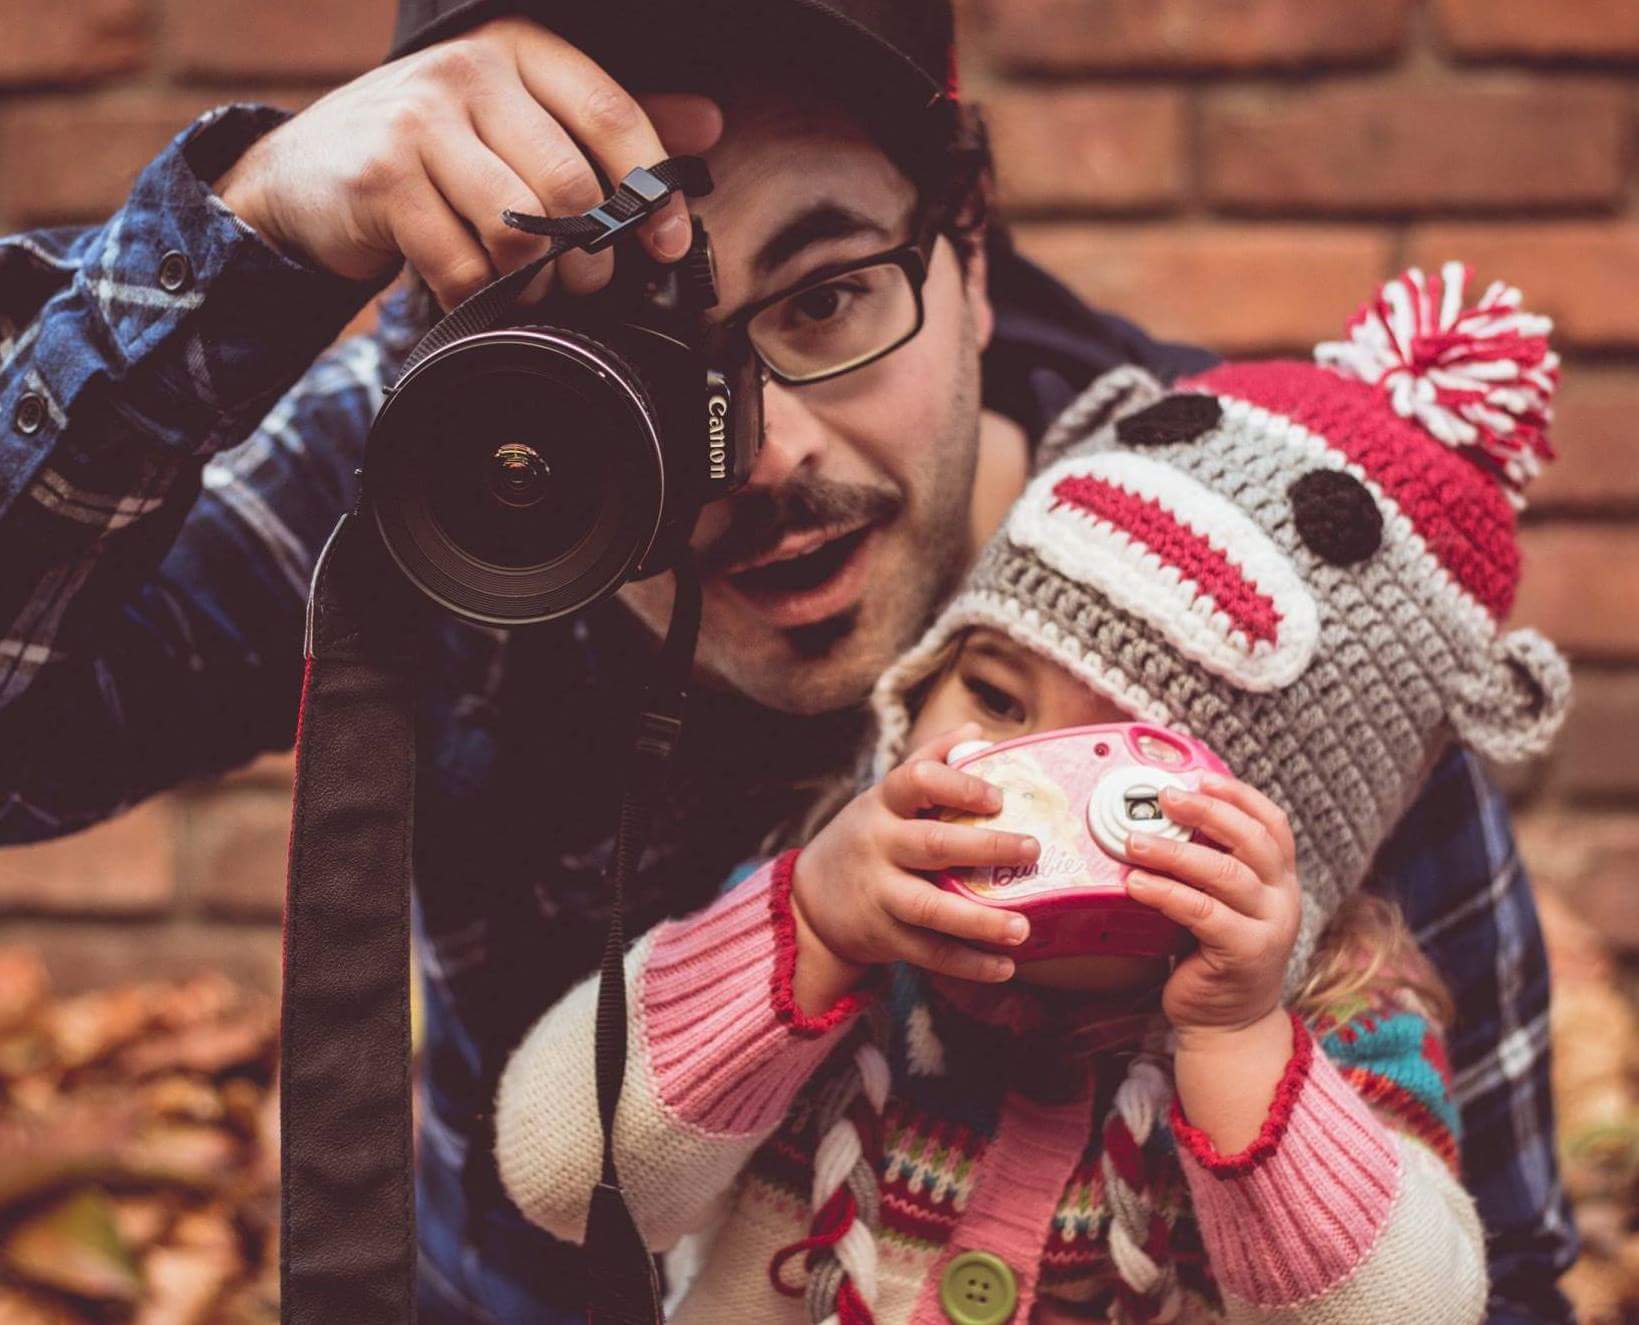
<point>892,61</point>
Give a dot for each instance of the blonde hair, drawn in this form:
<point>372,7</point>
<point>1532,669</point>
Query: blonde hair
<point>1369,953</point>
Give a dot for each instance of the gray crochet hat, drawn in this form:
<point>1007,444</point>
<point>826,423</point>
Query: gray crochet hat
<point>1305,566</point>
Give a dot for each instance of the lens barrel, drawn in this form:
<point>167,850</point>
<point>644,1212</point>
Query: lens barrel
<point>517,475</point>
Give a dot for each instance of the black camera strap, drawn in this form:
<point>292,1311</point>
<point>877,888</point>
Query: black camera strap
<point>347,1210</point>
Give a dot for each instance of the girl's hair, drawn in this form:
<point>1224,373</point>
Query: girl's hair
<point>1369,953</point>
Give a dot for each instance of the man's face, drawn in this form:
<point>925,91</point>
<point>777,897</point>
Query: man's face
<point>855,522</point>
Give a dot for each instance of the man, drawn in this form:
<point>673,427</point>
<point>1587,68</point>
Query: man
<point>172,458</point>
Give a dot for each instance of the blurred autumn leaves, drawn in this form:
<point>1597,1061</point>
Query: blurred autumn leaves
<point>138,1153</point>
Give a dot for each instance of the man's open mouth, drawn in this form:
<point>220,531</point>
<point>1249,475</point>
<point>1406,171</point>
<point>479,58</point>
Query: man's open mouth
<point>808,577</point>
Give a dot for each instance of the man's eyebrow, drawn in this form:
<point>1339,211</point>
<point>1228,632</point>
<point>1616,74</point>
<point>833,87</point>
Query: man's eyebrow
<point>826,220</point>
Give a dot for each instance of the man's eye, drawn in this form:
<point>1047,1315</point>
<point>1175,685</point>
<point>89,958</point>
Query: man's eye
<point>995,701</point>
<point>820,304</point>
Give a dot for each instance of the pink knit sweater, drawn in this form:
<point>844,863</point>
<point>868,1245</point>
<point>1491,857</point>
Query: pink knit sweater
<point>1329,1216</point>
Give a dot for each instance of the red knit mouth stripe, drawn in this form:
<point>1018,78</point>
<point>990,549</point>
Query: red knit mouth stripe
<point>1178,545</point>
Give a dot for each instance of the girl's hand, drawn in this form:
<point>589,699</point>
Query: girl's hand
<point>857,897</point>
<point>1241,903</point>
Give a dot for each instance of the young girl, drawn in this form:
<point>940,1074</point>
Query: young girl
<point>1304,567</point>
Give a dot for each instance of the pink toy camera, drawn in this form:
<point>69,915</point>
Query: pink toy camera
<point>1079,791</point>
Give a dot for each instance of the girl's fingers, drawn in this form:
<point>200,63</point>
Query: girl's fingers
<point>1213,923</point>
<point>933,844</point>
<point>1259,806</point>
<point>1241,834</point>
<point>917,902</point>
<point>1216,873</point>
<point>926,784</point>
<point>946,956</point>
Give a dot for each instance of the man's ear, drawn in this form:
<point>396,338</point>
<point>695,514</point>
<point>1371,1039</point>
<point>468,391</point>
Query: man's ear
<point>975,281</point>
<point>1511,709</point>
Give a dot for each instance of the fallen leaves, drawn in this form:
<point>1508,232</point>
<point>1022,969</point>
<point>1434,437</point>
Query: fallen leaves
<point>138,1153</point>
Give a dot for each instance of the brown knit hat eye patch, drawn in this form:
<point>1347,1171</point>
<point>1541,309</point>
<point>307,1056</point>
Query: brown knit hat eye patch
<point>1177,418</point>
<point>1336,516</point>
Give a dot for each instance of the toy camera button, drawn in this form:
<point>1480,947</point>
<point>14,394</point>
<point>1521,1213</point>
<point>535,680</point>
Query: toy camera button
<point>962,750</point>
<point>978,1288</point>
<point>1128,800</point>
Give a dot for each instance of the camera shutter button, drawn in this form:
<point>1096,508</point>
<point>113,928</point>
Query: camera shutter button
<point>961,751</point>
<point>1127,800</point>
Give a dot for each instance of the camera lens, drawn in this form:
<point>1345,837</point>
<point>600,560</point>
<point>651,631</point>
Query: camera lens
<point>516,475</point>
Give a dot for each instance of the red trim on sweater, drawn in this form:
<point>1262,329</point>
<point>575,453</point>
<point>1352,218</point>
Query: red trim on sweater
<point>785,961</point>
<point>1268,1139</point>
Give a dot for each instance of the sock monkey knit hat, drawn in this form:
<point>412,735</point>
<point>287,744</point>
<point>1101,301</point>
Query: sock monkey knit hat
<point>1304,565</point>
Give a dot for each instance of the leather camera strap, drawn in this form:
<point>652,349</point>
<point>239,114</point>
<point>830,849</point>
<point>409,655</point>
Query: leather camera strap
<point>347,1183</point>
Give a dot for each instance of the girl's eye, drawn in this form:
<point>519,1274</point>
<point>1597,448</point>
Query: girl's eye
<point>994,700</point>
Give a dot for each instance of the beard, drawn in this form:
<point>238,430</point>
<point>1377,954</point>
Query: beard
<point>921,544</point>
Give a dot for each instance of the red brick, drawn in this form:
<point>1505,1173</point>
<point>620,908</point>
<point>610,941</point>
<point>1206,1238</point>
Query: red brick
<point>80,40</point>
<point>1102,149</point>
<point>1594,754</point>
<point>1186,34</point>
<point>1395,147</point>
<point>95,955</point>
<point>1235,288</point>
<point>1581,588</point>
<point>1590,860</point>
<point>318,39</point>
<point>1593,29</point>
<point>126,866</point>
<point>1596,414</point>
<point>108,138</point>
<point>234,856</point>
<point>1584,274</point>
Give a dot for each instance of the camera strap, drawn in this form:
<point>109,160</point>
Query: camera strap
<point>347,1182</point>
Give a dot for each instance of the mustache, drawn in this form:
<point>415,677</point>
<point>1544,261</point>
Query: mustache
<point>760,520</point>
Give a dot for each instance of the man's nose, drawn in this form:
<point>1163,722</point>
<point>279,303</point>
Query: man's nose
<point>792,437</point>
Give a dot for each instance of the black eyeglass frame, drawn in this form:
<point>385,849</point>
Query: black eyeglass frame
<point>913,258</point>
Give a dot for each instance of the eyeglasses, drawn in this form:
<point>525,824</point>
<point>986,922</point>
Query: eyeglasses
<point>841,317</point>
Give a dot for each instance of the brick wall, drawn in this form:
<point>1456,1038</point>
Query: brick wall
<point>1237,172</point>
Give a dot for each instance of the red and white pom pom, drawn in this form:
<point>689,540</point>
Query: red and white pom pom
<point>1473,377</point>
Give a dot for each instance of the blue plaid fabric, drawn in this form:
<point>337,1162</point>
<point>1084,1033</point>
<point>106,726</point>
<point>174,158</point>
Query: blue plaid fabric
<point>176,441</point>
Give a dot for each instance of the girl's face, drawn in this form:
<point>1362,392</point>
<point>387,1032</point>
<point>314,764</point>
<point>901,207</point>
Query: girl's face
<point>1013,691</point>
<point>1009,691</point>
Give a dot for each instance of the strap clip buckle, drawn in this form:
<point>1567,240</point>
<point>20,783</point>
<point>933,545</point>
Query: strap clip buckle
<point>639,194</point>
<point>657,734</point>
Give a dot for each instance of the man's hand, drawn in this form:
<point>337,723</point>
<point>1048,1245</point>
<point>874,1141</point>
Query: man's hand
<point>418,159</point>
<point>859,900</point>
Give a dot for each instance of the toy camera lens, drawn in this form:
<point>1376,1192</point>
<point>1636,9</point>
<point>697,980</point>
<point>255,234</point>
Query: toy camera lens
<point>1143,808</point>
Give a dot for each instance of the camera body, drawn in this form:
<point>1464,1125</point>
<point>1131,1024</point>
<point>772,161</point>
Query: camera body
<point>1080,791</point>
<point>525,470</point>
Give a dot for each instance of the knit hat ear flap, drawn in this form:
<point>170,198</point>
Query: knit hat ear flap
<point>1118,393</point>
<point>1511,709</point>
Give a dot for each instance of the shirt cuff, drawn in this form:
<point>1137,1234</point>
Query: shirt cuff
<point>1302,1206</point>
<point>728,1044</point>
<point>202,323</point>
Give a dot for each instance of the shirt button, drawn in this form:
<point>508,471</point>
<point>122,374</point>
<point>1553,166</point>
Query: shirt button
<point>977,1288</point>
<point>175,275</point>
<point>31,413</point>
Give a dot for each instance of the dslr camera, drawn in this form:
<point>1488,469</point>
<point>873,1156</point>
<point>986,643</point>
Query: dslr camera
<point>537,459</point>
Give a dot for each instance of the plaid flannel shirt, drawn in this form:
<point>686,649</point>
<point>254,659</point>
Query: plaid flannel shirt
<point>175,444</point>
